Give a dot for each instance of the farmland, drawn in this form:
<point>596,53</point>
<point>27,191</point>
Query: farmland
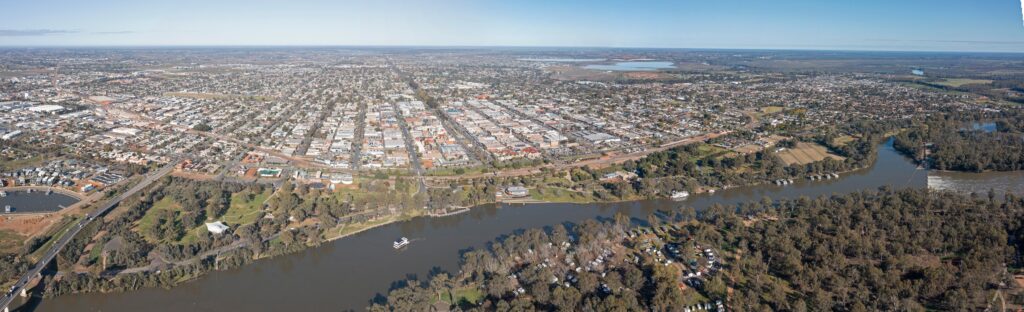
<point>805,153</point>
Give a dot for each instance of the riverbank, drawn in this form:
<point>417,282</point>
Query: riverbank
<point>324,276</point>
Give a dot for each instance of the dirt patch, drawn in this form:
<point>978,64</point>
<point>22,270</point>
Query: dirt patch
<point>29,225</point>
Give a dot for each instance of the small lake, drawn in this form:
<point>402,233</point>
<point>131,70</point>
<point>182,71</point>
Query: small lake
<point>563,60</point>
<point>632,66</point>
<point>346,274</point>
<point>35,202</point>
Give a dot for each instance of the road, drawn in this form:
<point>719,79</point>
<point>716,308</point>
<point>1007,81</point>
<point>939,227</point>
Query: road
<point>414,155</point>
<point>66,238</point>
<point>597,162</point>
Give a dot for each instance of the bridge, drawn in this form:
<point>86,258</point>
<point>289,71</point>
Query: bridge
<point>34,275</point>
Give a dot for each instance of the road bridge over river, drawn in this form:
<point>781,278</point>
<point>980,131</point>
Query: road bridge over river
<point>24,282</point>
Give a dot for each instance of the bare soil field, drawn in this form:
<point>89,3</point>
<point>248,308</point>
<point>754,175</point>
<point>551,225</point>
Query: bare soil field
<point>805,153</point>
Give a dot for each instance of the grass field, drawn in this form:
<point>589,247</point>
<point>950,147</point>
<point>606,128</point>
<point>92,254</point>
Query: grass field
<point>352,228</point>
<point>192,235</point>
<point>843,140</point>
<point>471,295</point>
<point>557,194</point>
<point>959,82</point>
<point>243,210</point>
<point>772,109</point>
<point>21,163</point>
<point>708,150</point>
<point>442,172</point>
<point>149,219</point>
<point>805,153</point>
<point>10,241</point>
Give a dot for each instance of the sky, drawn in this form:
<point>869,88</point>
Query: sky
<point>891,25</point>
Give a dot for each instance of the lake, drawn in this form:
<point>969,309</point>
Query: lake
<point>348,273</point>
<point>563,60</point>
<point>632,66</point>
<point>36,202</point>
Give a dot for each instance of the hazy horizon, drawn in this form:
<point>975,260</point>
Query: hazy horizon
<point>940,26</point>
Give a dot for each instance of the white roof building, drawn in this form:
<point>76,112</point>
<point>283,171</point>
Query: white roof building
<point>216,227</point>
<point>48,108</point>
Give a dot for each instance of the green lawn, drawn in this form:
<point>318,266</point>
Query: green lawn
<point>243,210</point>
<point>192,235</point>
<point>95,252</point>
<point>350,228</point>
<point>472,295</point>
<point>707,150</point>
<point>556,194</point>
<point>455,171</point>
<point>149,219</point>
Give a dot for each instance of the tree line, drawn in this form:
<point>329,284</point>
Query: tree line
<point>958,141</point>
<point>875,250</point>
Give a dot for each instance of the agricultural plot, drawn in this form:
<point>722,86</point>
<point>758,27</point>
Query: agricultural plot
<point>805,153</point>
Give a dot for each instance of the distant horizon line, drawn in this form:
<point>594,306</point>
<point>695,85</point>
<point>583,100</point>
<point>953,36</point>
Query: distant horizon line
<point>148,46</point>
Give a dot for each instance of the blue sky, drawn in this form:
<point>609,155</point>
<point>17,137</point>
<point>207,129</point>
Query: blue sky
<point>938,25</point>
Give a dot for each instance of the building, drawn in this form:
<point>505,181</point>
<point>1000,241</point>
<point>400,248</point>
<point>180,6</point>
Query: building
<point>342,178</point>
<point>10,135</point>
<point>517,191</point>
<point>216,227</point>
<point>126,131</point>
<point>47,108</point>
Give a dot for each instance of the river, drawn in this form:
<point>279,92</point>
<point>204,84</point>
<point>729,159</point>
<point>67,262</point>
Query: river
<point>968,182</point>
<point>348,273</point>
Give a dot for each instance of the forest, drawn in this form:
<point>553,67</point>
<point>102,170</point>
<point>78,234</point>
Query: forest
<point>875,250</point>
<point>974,142</point>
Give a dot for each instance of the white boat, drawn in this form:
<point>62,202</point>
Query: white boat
<point>8,209</point>
<point>680,194</point>
<point>3,194</point>
<point>401,242</point>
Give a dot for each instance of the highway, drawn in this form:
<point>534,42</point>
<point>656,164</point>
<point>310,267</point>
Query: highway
<point>63,241</point>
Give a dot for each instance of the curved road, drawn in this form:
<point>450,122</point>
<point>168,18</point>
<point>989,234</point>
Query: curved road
<point>63,241</point>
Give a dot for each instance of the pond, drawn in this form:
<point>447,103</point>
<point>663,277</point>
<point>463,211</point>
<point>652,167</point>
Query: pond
<point>35,202</point>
